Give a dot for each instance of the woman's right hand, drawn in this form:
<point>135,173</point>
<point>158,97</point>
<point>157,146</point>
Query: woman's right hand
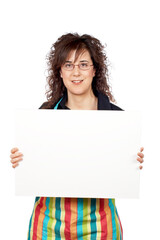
<point>16,157</point>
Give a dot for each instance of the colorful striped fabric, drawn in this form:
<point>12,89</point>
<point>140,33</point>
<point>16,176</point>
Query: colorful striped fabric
<point>74,218</point>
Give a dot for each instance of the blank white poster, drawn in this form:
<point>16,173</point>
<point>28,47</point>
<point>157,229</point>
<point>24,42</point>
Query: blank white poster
<point>83,153</point>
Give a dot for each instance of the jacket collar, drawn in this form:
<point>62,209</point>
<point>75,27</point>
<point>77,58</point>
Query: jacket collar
<point>103,102</point>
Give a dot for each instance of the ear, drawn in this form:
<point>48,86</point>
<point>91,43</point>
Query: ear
<point>94,72</point>
<point>60,73</point>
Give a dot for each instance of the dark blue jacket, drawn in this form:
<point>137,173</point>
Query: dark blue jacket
<point>103,103</point>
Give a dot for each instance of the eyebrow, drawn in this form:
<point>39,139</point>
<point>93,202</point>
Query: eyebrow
<point>80,61</point>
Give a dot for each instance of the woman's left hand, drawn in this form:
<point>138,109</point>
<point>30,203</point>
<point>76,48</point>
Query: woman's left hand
<point>140,157</point>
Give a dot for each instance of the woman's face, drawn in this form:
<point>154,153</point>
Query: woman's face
<point>78,81</point>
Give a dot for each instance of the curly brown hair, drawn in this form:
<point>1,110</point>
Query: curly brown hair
<point>58,55</point>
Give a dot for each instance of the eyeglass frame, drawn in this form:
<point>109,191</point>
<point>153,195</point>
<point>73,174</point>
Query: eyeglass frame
<point>76,65</point>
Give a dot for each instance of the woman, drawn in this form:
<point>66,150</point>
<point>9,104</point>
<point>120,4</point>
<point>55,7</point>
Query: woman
<point>77,79</point>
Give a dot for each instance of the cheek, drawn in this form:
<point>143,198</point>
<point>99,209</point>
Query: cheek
<point>63,75</point>
<point>91,75</point>
<point>65,78</point>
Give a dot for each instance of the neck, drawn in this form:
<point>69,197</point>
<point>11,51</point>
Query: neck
<point>82,102</point>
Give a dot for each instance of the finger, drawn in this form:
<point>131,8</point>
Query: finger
<point>140,154</point>
<point>141,149</point>
<point>13,150</point>
<point>140,160</point>
<point>15,155</point>
<point>15,160</point>
<point>15,165</point>
<point>140,167</point>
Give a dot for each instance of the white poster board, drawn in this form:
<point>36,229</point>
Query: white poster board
<point>78,153</point>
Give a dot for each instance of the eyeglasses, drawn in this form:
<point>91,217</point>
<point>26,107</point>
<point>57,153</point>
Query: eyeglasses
<point>71,66</point>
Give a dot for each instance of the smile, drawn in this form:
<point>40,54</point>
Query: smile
<point>77,81</point>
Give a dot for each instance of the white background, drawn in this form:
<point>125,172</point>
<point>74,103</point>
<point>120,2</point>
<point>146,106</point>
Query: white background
<point>131,31</point>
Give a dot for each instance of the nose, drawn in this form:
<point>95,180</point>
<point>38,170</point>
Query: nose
<point>76,71</point>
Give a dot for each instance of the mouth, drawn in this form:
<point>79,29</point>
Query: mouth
<point>77,82</point>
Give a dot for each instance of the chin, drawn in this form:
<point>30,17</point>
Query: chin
<point>78,92</point>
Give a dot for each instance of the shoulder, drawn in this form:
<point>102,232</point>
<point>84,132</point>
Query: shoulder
<point>105,104</point>
<point>115,107</point>
<point>47,105</point>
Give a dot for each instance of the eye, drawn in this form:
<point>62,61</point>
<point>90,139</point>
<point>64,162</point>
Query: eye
<point>84,65</point>
<point>68,65</point>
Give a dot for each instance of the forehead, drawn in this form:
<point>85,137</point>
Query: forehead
<point>78,56</point>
